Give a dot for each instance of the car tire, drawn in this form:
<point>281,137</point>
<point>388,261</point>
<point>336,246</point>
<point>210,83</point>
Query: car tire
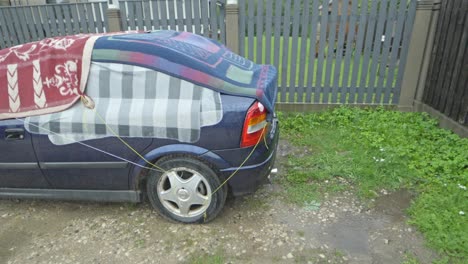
<point>183,192</point>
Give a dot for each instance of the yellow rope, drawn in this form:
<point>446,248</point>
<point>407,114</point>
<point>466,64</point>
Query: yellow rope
<point>238,168</point>
<point>84,100</point>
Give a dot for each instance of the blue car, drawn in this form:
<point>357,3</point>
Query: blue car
<point>184,180</point>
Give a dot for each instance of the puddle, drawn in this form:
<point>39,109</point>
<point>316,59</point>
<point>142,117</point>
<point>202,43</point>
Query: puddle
<point>394,204</point>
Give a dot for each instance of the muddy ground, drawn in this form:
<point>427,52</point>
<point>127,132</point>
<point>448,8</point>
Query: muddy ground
<point>261,228</point>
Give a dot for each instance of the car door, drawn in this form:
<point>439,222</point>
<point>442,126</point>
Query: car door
<point>75,166</point>
<point>18,164</point>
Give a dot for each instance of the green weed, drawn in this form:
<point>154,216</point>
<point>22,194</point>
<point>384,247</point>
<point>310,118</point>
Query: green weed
<point>374,149</point>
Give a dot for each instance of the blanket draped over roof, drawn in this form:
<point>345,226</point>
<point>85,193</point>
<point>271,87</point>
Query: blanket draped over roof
<point>162,107</point>
<point>193,58</point>
<point>43,77</point>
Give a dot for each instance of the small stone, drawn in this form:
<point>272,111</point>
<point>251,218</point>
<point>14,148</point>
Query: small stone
<point>290,256</point>
<point>279,244</point>
<point>322,256</point>
<point>386,241</point>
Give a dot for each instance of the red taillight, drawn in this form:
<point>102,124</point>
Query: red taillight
<point>254,125</point>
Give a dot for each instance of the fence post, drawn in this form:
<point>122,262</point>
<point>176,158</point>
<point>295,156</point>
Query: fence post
<point>114,16</point>
<point>419,53</point>
<point>232,25</point>
<point>5,2</point>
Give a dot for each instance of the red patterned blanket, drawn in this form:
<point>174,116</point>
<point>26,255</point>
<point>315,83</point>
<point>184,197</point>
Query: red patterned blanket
<point>45,76</point>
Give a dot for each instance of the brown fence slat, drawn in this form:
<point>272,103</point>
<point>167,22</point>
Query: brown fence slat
<point>445,72</point>
<point>292,91</point>
<point>330,54</point>
<point>321,53</point>
<point>375,63</point>
<point>313,41</point>
<point>60,22</point>
<point>285,54</point>
<point>302,82</point>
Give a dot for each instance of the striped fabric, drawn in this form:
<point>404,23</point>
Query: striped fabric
<point>135,102</point>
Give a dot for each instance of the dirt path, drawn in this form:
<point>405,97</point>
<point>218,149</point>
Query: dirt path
<point>262,228</point>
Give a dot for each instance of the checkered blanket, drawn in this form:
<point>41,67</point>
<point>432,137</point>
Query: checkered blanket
<point>134,102</point>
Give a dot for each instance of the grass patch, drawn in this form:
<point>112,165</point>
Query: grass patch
<point>208,259</point>
<point>374,149</point>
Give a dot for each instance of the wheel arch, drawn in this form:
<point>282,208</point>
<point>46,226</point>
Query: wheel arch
<point>138,174</point>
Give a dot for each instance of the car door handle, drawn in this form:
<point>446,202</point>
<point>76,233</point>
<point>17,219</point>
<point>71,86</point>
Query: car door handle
<point>14,134</point>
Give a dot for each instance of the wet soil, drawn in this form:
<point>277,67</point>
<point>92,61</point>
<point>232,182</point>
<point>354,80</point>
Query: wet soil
<point>261,228</point>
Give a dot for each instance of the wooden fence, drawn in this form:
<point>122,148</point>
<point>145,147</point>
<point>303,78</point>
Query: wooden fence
<point>327,52</point>
<point>447,83</point>
<point>341,51</point>
<point>204,17</point>
<point>22,24</point>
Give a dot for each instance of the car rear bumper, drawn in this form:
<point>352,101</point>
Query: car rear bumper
<point>248,177</point>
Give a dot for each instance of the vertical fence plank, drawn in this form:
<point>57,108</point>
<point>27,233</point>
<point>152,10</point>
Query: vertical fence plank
<point>131,14</point>
<point>68,20</point>
<point>221,22</point>
<point>31,25</point>
<point>16,22</point>
<point>358,53</point>
<point>393,63</point>
<point>163,10</point>
<point>46,21</point>
<point>156,16</point>
<point>459,110</point>
<point>459,49</point>
<point>333,18</point>
<point>278,19</point>
<point>404,49</point>
<point>139,15</point>
<point>285,53</point>
<point>259,31</point>
<point>363,88</point>
<point>391,20</point>
<point>342,32</point>
<point>428,89</point>
<point>99,17</point>
<point>60,22</point>
<point>295,41</point>
<point>6,36</point>
<point>171,14</point>
<point>441,41</point>
<point>180,16</point>
<point>75,19</point>
<point>189,16</point>
<point>320,64</point>
<point>124,15</point>
<point>350,41</point>
<point>83,19</point>
<point>447,61</point>
<point>214,20</point>
<point>313,42</point>
<point>91,18</point>
<point>374,64</point>
<point>242,26</point>
<point>24,26</point>
<point>268,29</point>
<point>15,38</point>
<point>103,7</point>
<point>40,27</point>
<point>303,52</point>
<point>147,15</point>
<point>204,17</point>
<point>250,29</point>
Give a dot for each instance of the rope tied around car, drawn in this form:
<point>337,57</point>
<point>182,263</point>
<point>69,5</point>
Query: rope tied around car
<point>91,106</point>
<point>86,101</point>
